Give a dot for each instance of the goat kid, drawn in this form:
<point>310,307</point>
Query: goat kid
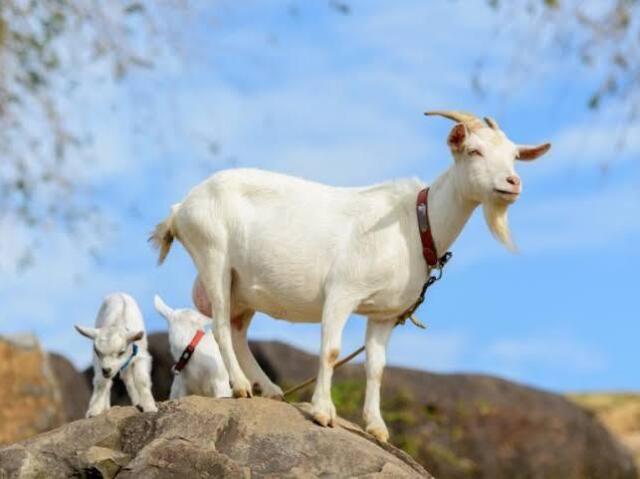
<point>205,374</point>
<point>119,346</point>
<point>307,252</point>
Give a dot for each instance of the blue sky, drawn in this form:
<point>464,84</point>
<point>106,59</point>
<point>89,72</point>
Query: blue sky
<point>339,99</point>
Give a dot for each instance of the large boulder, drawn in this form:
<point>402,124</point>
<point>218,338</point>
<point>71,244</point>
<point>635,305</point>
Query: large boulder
<point>38,391</point>
<point>204,437</point>
<point>30,399</point>
<point>74,389</point>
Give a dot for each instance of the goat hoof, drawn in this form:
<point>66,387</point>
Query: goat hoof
<point>91,414</point>
<point>150,408</point>
<point>324,413</point>
<point>242,393</point>
<point>139,408</point>
<point>380,433</point>
<point>322,419</point>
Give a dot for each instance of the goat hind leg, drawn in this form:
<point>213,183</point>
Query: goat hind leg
<point>239,327</point>
<point>216,279</point>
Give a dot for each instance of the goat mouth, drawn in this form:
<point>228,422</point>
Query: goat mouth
<point>511,194</point>
<point>505,195</point>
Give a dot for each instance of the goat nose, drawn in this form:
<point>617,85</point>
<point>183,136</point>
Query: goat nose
<point>106,372</point>
<point>513,180</point>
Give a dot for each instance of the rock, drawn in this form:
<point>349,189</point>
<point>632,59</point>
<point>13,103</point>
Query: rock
<point>205,437</point>
<point>104,461</point>
<point>30,399</point>
<point>74,389</point>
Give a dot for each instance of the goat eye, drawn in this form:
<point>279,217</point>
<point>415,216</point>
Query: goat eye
<point>475,153</point>
<point>98,353</point>
<point>121,353</point>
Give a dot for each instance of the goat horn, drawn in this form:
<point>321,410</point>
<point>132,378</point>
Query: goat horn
<point>468,119</point>
<point>491,122</point>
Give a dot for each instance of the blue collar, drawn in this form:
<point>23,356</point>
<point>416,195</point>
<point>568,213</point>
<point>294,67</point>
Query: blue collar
<point>133,354</point>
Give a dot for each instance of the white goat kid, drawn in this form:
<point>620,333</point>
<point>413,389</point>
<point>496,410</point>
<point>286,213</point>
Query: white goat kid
<point>306,252</point>
<point>119,346</point>
<point>205,374</point>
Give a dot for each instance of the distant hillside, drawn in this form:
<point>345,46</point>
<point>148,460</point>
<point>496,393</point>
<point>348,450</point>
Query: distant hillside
<point>620,413</point>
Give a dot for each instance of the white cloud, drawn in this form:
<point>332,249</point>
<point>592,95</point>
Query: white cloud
<point>568,354</point>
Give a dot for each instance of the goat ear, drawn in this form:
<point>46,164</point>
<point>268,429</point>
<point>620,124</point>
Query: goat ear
<point>457,137</point>
<point>135,336</point>
<point>90,333</point>
<point>529,152</point>
<point>162,308</point>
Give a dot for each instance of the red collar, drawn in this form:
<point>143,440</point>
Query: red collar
<point>428,245</point>
<point>188,352</point>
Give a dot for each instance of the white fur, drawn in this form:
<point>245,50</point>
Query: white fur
<point>307,252</point>
<point>118,326</point>
<point>205,373</point>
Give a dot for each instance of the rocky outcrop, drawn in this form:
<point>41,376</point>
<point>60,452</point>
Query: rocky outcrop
<point>203,437</point>
<point>39,391</point>
<point>30,399</point>
<point>74,389</point>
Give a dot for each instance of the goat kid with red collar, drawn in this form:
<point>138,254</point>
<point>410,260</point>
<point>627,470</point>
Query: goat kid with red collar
<point>199,368</point>
<point>307,252</point>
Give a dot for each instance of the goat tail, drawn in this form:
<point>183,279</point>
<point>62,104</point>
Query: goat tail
<point>163,235</point>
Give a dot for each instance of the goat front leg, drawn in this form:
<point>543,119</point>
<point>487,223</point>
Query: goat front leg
<point>178,389</point>
<point>378,333</point>
<point>101,396</point>
<point>129,383</point>
<point>334,318</point>
<point>141,371</point>
<point>239,327</point>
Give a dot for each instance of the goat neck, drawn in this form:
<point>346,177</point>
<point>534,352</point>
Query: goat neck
<point>448,211</point>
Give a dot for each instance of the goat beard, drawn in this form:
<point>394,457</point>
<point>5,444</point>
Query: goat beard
<point>495,214</point>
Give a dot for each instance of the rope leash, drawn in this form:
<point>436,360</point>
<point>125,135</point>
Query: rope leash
<point>401,320</point>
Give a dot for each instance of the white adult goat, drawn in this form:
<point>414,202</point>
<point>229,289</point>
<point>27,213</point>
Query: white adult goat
<point>306,252</point>
<point>205,374</point>
<point>119,346</point>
